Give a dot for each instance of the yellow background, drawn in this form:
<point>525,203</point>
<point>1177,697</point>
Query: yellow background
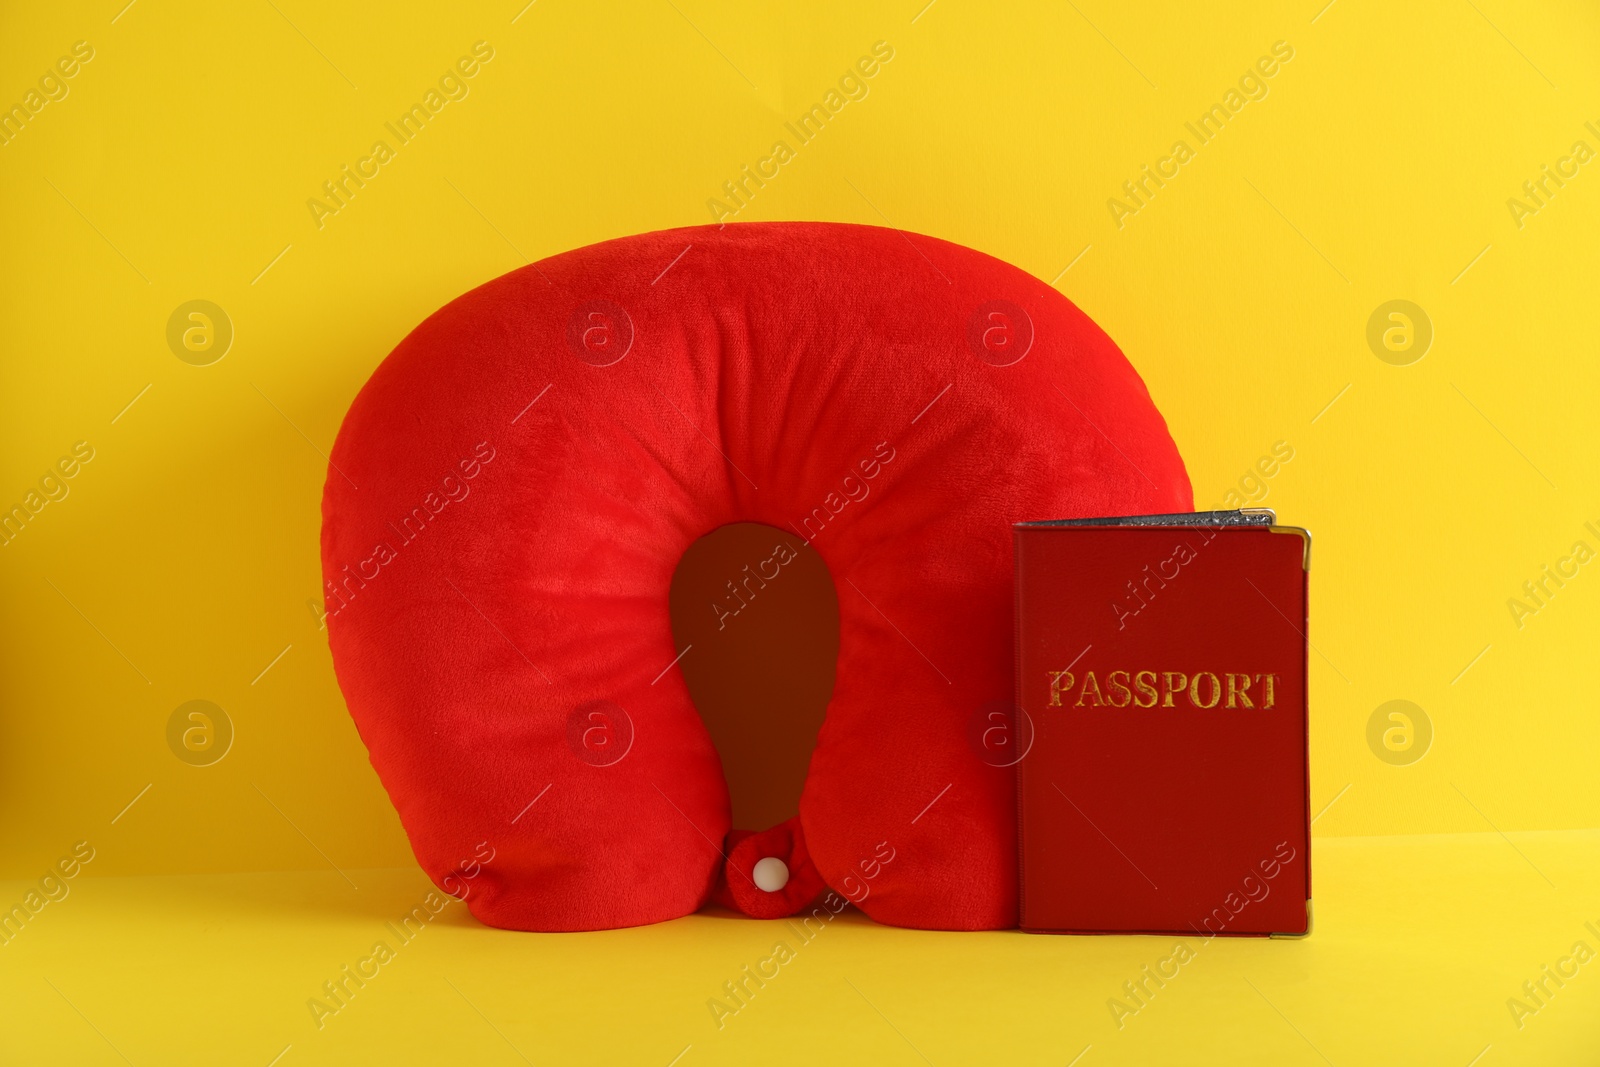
<point>1378,167</point>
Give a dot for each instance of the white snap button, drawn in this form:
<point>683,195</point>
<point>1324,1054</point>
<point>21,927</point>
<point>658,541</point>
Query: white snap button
<point>770,874</point>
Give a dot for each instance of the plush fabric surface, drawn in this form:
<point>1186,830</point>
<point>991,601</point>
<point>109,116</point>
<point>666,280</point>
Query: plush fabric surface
<point>511,491</point>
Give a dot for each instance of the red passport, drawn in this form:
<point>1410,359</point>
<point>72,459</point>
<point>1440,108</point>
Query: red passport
<point>1161,672</point>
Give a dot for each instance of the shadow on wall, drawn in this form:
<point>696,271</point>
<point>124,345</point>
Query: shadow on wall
<point>759,609</point>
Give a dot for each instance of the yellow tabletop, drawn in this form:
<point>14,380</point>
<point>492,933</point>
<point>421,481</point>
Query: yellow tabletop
<point>1424,952</point>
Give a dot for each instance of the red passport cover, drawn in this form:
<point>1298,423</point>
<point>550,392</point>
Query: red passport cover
<point>1161,672</point>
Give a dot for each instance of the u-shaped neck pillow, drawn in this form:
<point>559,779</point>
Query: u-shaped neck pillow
<point>511,491</point>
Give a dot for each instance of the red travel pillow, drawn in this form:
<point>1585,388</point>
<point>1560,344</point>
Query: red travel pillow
<point>511,492</point>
